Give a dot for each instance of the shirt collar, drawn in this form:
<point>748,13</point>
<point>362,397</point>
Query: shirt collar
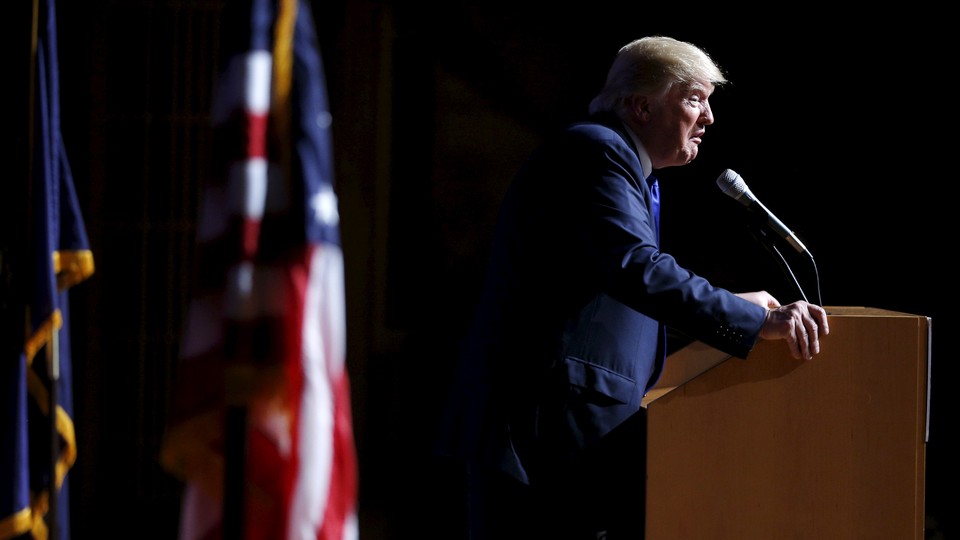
<point>645,162</point>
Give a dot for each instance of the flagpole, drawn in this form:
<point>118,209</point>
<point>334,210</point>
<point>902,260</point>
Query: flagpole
<point>235,457</point>
<point>238,381</point>
<point>53,357</point>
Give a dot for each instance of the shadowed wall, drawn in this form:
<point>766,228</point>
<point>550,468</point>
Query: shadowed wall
<point>434,110</point>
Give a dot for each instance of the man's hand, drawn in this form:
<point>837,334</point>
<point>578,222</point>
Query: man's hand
<point>801,324</point>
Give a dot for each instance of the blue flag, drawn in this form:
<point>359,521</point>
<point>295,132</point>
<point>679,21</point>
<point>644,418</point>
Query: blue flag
<point>37,386</point>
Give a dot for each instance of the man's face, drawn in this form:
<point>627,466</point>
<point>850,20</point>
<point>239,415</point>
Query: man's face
<point>677,123</point>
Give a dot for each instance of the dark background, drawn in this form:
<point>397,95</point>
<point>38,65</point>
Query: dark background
<point>843,125</point>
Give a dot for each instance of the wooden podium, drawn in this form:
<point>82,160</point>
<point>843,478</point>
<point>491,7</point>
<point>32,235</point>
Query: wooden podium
<point>776,448</point>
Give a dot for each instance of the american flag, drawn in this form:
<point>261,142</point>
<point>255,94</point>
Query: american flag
<point>36,388</point>
<point>265,332</point>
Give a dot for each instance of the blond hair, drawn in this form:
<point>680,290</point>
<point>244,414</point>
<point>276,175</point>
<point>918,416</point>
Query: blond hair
<point>651,66</point>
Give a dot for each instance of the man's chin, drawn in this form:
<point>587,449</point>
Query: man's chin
<point>687,158</point>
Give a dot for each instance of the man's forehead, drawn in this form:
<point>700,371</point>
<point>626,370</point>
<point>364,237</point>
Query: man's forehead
<point>685,87</point>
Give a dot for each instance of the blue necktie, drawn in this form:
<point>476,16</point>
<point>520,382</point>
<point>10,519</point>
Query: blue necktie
<point>655,199</point>
<point>662,342</point>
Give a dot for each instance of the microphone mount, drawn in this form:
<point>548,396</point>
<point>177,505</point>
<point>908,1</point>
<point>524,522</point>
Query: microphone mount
<point>733,185</point>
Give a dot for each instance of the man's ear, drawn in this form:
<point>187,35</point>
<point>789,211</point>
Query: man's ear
<point>640,106</point>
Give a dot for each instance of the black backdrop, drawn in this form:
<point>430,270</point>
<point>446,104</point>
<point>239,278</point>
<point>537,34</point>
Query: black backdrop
<point>841,124</point>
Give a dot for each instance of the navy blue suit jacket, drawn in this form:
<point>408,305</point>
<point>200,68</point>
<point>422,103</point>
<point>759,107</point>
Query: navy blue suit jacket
<point>568,336</point>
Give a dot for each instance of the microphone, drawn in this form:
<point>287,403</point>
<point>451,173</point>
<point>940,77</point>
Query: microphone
<point>733,185</point>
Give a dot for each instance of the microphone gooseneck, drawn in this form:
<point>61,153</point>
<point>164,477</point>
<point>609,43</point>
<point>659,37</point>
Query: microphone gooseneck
<point>733,185</point>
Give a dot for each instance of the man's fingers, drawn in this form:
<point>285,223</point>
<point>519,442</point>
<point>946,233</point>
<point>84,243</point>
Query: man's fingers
<point>804,338</point>
<point>811,332</point>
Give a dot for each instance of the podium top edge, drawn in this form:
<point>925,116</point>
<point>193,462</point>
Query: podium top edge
<point>865,311</point>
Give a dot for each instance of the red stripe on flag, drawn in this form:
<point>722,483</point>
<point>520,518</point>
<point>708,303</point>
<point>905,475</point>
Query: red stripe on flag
<point>256,135</point>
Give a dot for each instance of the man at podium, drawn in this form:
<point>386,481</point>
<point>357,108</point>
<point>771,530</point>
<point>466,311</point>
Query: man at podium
<point>570,331</point>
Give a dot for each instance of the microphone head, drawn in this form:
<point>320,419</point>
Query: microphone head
<point>733,185</point>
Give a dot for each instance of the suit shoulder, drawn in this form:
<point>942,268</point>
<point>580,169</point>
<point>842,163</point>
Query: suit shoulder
<point>595,134</point>
<point>593,130</point>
